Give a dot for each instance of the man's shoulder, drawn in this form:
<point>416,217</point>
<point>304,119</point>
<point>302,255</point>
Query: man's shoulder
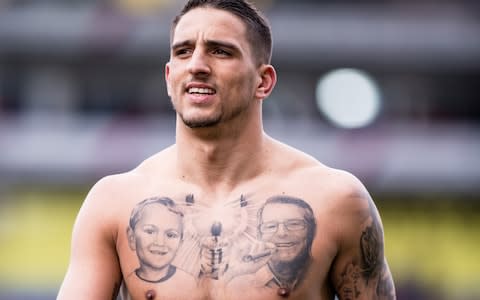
<point>155,163</point>
<point>297,165</point>
<point>337,180</point>
<point>321,183</point>
<point>121,184</point>
<point>343,195</point>
<point>311,169</point>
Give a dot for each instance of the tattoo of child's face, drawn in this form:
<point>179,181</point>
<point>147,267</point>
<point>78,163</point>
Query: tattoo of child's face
<point>155,234</point>
<point>225,242</point>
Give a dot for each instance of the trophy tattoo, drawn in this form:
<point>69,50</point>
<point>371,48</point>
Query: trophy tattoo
<point>215,262</point>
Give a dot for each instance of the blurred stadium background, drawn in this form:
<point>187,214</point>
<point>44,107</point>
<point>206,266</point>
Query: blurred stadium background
<point>388,90</point>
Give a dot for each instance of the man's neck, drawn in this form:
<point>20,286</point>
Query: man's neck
<point>219,156</point>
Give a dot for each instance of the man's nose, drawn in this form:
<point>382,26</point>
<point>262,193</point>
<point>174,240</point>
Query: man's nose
<point>198,63</point>
<point>282,230</point>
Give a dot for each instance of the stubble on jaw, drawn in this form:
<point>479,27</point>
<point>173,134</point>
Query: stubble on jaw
<point>201,122</point>
<point>216,118</point>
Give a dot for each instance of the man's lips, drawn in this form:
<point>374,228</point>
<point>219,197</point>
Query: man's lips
<point>285,244</point>
<point>200,89</point>
<point>200,96</point>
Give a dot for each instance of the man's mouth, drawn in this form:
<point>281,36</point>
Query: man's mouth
<point>285,244</point>
<point>201,91</point>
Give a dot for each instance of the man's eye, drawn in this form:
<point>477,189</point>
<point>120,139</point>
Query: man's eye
<point>268,227</point>
<point>295,222</point>
<point>222,52</point>
<point>182,52</point>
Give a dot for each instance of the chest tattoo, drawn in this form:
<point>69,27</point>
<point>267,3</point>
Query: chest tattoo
<point>257,243</point>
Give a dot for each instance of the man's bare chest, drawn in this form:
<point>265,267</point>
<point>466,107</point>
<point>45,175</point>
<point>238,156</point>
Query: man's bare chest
<point>189,247</point>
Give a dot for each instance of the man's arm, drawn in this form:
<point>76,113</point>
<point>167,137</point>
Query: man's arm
<point>93,272</point>
<point>360,270</point>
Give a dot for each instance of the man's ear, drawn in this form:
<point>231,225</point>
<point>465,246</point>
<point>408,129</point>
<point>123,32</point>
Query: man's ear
<point>131,238</point>
<point>268,79</point>
<point>167,76</point>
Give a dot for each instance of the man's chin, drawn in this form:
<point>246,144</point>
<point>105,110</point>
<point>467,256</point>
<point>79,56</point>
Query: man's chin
<point>284,258</point>
<point>201,123</point>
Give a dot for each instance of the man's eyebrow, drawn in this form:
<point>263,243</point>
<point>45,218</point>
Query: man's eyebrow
<point>181,44</point>
<point>209,43</point>
<point>222,44</point>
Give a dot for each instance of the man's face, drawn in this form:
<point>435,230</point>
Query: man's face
<point>157,236</point>
<point>211,76</point>
<point>283,224</point>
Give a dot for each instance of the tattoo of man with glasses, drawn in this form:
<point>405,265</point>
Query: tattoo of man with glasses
<point>289,224</point>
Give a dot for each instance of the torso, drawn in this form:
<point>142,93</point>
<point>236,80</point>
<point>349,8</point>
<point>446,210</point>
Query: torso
<point>236,247</point>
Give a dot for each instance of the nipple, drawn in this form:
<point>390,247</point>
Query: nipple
<point>150,295</point>
<point>283,292</point>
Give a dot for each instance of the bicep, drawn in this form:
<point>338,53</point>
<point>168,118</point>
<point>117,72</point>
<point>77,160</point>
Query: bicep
<point>360,270</point>
<point>93,271</point>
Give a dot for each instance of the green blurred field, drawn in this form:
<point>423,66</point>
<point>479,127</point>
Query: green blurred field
<point>433,243</point>
<point>35,230</point>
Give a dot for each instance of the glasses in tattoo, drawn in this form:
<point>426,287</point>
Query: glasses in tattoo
<point>290,225</point>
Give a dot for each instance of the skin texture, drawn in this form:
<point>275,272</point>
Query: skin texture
<point>248,217</point>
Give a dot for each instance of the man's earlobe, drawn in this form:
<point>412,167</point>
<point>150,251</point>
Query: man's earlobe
<point>268,78</point>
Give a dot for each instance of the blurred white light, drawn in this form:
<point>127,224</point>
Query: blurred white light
<point>349,98</point>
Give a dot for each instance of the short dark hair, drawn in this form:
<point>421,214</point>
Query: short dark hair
<point>258,29</point>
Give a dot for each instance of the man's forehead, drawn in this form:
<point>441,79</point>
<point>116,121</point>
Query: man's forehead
<point>211,23</point>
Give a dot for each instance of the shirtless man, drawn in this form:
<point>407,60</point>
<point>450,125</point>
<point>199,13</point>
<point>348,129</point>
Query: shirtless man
<point>222,174</point>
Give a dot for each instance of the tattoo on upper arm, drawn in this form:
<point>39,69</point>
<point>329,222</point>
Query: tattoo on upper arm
<point>242,240</point>
<point>371,251</point>
<point>369,275</point>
